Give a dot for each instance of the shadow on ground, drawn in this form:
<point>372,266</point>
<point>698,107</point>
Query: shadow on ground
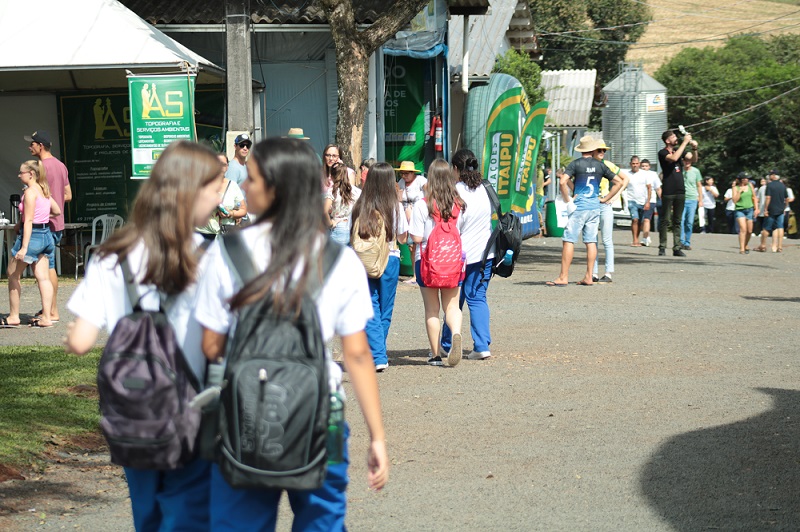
<point>742,476</point>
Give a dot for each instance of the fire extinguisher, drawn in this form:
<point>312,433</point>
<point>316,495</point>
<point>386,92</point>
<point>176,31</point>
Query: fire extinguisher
<point>437,133</point>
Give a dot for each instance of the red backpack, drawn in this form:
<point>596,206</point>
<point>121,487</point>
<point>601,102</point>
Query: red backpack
<point>442,262</point>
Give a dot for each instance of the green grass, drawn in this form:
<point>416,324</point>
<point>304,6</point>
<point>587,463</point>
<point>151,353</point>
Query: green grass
<point>36,402</point>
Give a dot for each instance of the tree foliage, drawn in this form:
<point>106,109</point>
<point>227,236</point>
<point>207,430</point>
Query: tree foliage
<point>528,73</point>
<point>585,48</point>
<point>725,88</point>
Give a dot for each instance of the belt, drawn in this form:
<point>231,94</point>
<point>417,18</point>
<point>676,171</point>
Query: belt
<point>41,226</point>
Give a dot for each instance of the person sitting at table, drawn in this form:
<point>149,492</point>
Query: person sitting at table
<point>34,244</point>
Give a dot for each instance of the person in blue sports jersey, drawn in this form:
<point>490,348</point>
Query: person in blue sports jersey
<point>583,176</point>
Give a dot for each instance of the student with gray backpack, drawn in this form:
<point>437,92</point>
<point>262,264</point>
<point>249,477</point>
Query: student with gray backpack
<point>274,294</point>
<point>141,285</point>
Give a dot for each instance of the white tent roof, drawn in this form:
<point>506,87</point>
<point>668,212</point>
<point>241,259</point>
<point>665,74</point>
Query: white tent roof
<point>82,44</point>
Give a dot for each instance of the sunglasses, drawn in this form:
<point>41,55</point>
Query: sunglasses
<point>601,150</point>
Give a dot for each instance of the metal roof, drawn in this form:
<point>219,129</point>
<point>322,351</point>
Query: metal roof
<point>263,11</point>
<point>507,25</point>
<point>646,83</point>
<point>571,95</point>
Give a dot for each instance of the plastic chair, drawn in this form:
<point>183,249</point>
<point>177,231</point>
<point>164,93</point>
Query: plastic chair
<point>109,223</point>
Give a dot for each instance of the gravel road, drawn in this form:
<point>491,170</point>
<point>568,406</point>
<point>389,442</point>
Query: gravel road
<point>667,400</point>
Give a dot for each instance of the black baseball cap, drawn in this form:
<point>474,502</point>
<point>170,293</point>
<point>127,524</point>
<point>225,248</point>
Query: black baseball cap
<point>39,136</point>
<point>244,138</point>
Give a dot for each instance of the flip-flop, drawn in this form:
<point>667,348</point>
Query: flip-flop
<point>553,283</point>
<point>39,315</point>
<point>36,325</point>
<point>5,325</point>
<point>584,283</point>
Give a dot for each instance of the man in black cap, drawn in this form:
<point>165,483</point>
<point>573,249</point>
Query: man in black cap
<point>673,192</point>
<point>237,169</point>
<point>58,180</point>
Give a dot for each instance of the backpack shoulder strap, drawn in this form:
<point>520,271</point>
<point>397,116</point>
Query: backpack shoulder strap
<point>494,200</point>
<point>238,257</point>
<point>330,256</point>
<point>130,284</point>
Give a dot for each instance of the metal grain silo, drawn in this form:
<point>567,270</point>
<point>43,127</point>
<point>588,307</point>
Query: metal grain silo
<point>635,116</point>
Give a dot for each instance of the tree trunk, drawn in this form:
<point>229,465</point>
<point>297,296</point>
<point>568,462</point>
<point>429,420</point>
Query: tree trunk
<point>353,48</point>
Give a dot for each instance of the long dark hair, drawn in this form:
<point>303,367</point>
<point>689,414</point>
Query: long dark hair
<point>291,169</point>
<point>325,166</point>
<point>341,183</point>
<point>441,190</point>
<point>162,216</point>
<point>379,195</point>
<point>467,164</point>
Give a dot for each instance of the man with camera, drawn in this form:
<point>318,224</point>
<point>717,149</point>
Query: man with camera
<point>673,192</point>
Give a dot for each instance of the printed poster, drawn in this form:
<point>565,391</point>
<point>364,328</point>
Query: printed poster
<point>502,140</point>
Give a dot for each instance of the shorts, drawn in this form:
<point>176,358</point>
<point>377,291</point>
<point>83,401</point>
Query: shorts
<point>744,213</point>
<point>41,243</point>
<point>51,257</point>
<point>584,223</point>
<point>636,210</point>
<point>773,222</point>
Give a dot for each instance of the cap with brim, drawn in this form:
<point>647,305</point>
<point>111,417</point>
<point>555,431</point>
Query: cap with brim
<point>296,133</point>
<point>408,166</point>
<point>773,171</point>
<point>38,136</point>
<point>244,138</point>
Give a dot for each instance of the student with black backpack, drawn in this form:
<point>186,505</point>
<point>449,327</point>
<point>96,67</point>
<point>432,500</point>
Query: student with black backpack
<point>159,249</point>
<point>274,294</point>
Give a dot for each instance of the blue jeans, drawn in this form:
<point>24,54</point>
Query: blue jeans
<point>170,500</point>
<point>607,229</point>
<point>473,291</point>
<point>689,210</point>
<point>322,509</point>
<point>382,292</point>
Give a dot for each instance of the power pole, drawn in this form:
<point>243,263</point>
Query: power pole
<point>239,86</point>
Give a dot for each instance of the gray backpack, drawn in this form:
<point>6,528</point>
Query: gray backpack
<point>145,386</point>
<point>275,398</point>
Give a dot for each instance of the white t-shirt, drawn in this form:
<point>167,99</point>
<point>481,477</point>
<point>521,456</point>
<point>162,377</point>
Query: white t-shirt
<point>232,199</point>
<point>637,186</point>
<point>236,172</point>
<point>790,196</point>
<point>476,222</point>
<point>400,227</point>
<point>409,194</point>
<point>101,300</point>
<point>730,206</point>
<point>761,194</point>
<point>344,304</point>
<point>655,181</point>
<point>709,200</point>
<point>422,225</point>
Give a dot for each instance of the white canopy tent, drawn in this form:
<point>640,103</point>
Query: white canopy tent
<point>85,44</point>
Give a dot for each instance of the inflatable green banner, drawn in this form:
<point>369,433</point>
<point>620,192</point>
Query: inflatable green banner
<point>162,111</point>
<point>526,157</point>
<point>500,147</point>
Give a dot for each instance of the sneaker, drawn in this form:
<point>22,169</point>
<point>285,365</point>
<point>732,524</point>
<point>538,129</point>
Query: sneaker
<point>646,242</point>
<point>687,247</point>
<point>454,357</point>
<point>604,279</point>
<point>661,252</point>
<point>595,279</point>
<point>435,360</point>
<point>479,355</point>
<point>678,253</point>
<point>380,368</point>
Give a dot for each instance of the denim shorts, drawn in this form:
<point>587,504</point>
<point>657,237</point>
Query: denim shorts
<point>583,223</point>
<point>41,243</point>
<point>51,257</point>
<point>744,213</point>
<point>636,210</point>
<point>773,222</point>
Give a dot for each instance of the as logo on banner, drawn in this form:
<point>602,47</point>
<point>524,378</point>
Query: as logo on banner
<point>105,120</point>
<point>153,109</point>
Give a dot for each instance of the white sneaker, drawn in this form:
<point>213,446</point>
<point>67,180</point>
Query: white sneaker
<point>454,356</point>
<point>646,242</point>
<point>479,355</point>
<point>381,367</point>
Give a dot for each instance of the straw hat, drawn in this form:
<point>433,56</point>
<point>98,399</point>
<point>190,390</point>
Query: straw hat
<point>589,143</point>
<point>408,166</point>
<point>296,133</point>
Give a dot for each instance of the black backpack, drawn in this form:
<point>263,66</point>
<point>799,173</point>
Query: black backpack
<point>275,397</point>
<point>507,235</point>
<point>145,385</point>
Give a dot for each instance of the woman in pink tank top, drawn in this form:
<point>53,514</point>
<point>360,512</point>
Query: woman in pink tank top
<point>34,243</point>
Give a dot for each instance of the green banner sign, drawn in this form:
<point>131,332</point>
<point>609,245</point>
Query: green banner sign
<point>161,111</point>
<point>502,138</point>
<point>404,111</point>
<point>526,157</point>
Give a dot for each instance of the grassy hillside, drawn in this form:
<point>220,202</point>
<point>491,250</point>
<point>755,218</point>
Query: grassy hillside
<point>708,23</point>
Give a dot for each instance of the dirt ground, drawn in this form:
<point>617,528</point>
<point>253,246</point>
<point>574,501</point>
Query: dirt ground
<point>667,400</point>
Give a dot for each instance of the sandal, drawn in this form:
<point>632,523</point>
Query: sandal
<point>5,325</point>
<point>37,324</point>
<point>39,314</point>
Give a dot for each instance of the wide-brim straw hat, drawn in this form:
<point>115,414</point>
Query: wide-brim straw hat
<point>296,133</point>
<point>589,143</point>
<point>408,166</point>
